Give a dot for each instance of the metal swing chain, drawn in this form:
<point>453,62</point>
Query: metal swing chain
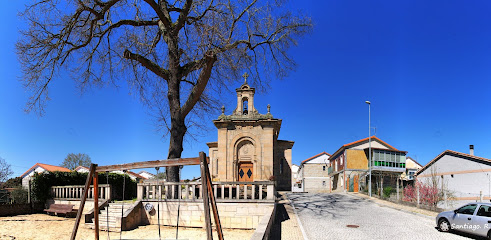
<point>160,197</point>
<point>107,210</point>
<point>122,205</point>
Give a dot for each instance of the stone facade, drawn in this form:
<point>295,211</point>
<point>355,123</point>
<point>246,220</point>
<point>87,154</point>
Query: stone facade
<point>191,214</point>
<point>248,148</point>
<point>314,174</point>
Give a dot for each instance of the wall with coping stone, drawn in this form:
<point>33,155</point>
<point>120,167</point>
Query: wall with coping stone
<point>232,215</point>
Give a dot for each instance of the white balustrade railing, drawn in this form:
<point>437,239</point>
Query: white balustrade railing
<point>75,192</point>
<point>223,191</point>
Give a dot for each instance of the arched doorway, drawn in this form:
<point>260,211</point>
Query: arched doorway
<point>245,166</point>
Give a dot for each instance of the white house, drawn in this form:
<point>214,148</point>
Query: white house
<point>146,175</point>
<point>313,173</point>
<point>39,168</point>
<point>295,179</point>
<point>81,169</point>
<point>463,177</point>
<point>412,166</point>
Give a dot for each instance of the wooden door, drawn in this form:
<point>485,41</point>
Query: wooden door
<point>355,189</point>
<point>246,172</point>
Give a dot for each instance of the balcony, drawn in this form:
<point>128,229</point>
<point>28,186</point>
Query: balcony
<point>388,166</point>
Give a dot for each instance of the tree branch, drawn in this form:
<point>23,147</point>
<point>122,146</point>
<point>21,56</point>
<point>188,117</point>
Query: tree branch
<point>201,83</point>
<point>163,73</point>
<point>163,16</point>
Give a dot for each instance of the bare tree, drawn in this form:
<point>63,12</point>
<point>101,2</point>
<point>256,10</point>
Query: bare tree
<point>5,170</point>
<point>73,160</point>
<point>176,56</point>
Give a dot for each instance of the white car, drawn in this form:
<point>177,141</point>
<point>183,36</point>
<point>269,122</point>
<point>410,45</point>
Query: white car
<point>473,218</point>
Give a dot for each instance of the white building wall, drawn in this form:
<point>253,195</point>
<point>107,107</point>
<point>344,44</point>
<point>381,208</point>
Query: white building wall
<point>82,170</point>
<point>375,144</point>
<point>462,187</point>
<point>146,175</point>
<point>28,176</point>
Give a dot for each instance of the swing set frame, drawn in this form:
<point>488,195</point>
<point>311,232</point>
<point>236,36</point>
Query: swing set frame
<point>207,192</point>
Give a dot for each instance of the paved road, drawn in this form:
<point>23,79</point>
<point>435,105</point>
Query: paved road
<point>326,216</point>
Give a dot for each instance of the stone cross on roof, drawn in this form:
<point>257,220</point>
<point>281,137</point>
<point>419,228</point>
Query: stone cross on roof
<point>245,76</point>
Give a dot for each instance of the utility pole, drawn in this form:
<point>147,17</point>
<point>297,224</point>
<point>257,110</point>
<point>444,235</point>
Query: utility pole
<point>369,153</point>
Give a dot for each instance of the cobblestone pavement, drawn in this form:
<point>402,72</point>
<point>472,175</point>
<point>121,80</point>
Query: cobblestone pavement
<point>326,216</point>
<point>286,227</point>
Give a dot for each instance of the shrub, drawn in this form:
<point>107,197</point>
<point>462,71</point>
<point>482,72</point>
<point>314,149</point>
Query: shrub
<point>42,183</point>
<point>387,191</point>
<point>428,195</point>
<point>19,195</point>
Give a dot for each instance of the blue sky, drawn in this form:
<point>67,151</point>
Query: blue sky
<point>424,65</point>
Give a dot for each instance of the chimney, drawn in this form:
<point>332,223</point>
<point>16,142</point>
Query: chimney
<point>471,149</point>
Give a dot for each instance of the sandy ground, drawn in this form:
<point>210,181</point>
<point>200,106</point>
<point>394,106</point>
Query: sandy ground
<point>42,226</point>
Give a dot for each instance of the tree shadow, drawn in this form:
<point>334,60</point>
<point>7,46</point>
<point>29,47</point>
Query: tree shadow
<point>325,205</point>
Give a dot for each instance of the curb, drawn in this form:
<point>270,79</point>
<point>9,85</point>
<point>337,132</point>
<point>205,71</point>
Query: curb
<point>298,219</point>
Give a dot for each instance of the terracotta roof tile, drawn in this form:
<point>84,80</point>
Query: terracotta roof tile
<point>308,159</point>
<point>47,167</point>
<point>454,153</point>
<point>363,140</point>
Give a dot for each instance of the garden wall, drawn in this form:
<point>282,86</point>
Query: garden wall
<point>19,209</point>
<point>191,214</point>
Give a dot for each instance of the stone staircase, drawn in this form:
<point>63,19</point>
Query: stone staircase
<point>111,215</point>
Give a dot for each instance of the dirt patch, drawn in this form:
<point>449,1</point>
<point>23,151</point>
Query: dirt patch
<point>42,226</point>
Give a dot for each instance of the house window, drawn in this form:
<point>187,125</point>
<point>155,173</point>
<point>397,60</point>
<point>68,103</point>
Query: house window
<point>323,183</point>
<point>389,159</point>
<point>323,168</point>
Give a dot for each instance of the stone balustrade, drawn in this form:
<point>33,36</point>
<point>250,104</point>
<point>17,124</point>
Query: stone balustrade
<point>260,191</point>
<point>75,192</point>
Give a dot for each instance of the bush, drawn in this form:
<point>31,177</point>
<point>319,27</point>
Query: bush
<point>428,195</point>
<point>387,191</point>
<point>42,183</point>
<point>19,195</point>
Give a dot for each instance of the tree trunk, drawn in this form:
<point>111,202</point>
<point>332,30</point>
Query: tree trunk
<point>178,127</point>
<point>175,149</point>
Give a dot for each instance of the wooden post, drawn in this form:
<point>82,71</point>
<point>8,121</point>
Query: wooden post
<point>204,189</point>
<point>381,186</point>
<point>397,188</point>
<point>29,192</point>
<point>96,205</point>
<point>212,198</point>
<point>417,193</point>
<point>82,203</point>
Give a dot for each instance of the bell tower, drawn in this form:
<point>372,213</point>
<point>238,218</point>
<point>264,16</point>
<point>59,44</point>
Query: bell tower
<point>248,148</point>
<point>245,99</point>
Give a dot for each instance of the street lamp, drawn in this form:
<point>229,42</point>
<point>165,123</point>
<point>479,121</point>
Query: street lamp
<point>369,153</point>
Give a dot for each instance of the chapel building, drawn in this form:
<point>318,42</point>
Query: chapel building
<point>248,148</point>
